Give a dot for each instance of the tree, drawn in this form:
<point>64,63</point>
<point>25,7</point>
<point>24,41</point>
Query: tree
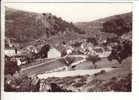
<point>44,51</point>
<point>93,59</point>
<point>121,51</point>
<point>10,66</point>
<point>118,26</point>
<point>92,40</point>
<point>69,60</point>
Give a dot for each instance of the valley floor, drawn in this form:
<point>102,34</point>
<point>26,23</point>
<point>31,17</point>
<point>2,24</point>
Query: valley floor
<point>117,79</point>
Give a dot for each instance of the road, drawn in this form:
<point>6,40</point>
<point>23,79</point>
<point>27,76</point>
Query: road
<point>73,73</point>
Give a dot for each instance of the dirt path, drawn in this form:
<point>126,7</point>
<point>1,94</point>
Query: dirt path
<point>73,73</point>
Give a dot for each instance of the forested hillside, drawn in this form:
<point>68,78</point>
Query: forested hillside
<point>28,26</point>
<point>108,27</point>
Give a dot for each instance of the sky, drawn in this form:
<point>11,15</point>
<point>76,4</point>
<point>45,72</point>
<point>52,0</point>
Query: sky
<point>75,12</point>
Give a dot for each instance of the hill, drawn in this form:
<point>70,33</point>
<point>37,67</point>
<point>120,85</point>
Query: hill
<point>33,28</point>
<point>29,26</point>
<point>96,28</point>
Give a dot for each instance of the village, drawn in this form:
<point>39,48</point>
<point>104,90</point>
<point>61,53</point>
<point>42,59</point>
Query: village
<point>46,53</point>
<point>82,47</point>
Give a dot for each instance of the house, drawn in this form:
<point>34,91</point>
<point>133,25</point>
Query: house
<point>32,49</point>
<point>54,53</point>
<point>11,52</point>
<point>101,52</point>
<point>20,61</point>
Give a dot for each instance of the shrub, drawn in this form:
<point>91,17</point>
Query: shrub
<point>79,84</point>
<point>92,40</point>
<point>11,67</point>
<point>22,84</point>
<point>119,84</point>
<point>76,44</point>
<point>100,73</point>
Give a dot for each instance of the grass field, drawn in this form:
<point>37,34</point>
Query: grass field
<point>45,65</point>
